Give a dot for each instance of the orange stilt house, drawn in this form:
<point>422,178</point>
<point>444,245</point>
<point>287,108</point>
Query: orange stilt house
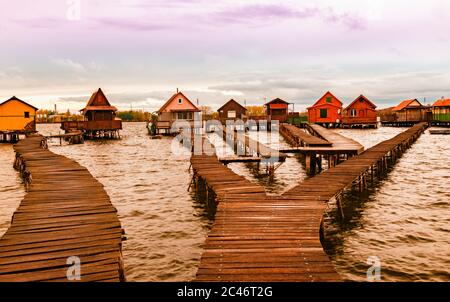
<point>326,111</point>
<point>99,119</point>
<point>360,113</point>
<point>177,109</point>
<point>16,117</point>
<point>277,109</point>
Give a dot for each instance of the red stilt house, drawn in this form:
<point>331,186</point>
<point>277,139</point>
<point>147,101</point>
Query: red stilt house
<point>277,109</point>
<point>326,111</point>
<point>360,113</point>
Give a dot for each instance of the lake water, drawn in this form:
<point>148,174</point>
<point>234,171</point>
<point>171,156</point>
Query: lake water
<point>403,219</point>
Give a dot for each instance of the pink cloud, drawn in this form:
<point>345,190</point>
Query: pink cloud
<point>262,13</point>
<point>131,24</point>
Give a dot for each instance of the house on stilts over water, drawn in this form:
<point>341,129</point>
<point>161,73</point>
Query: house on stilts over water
<point>100,119</point>
<point>326,111</point>
<point>441,112</point>
<point>361,113</point>
<point>178,113</point>
<point>16,118</point>
<point>410,112</point>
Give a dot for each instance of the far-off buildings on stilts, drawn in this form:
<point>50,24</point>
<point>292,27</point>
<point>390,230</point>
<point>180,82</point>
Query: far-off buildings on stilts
<point>441,112</point>
<point>100,119</point>
<point>232,114</point>
<point>278,110</point>
<point>361,113</point>
<point>410,112</point>
<point>177,111</point>
<point>16,117</point>
<point>326,111</point>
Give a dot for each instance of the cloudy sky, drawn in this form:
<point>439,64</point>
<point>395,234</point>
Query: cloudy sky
<point>140,51</point>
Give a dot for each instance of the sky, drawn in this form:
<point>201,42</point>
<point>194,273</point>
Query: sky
<point>139,52</point>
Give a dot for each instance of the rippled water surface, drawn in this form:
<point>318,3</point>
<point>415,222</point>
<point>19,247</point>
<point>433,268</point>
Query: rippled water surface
<point>403,220</point>
<point>165,226</point>
<point>11,188</point>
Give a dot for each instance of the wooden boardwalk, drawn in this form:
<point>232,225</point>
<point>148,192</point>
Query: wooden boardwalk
<point>338,147</point>
<point>65,213</point>
<point>256,237</point>
<point>244,146</point>
<point>300,138</point>
<point>340,142</point>
<point>359,170</point>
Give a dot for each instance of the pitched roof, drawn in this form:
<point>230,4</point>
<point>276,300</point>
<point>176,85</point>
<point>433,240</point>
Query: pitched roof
<point>98,101</point>
<point>442,103</point>
<point>232,101</point>
<point>14,98</point>
<point>328,92</point>
<point>277,100</point>
<point>405,104</point>
<point>365,99</point>
<point>172,98</point>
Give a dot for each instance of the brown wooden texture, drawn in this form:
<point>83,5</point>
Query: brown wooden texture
<point>65,212</point>
<point>256,237</point>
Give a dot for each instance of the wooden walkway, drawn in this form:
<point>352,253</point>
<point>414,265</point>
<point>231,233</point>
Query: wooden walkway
<point>359,170</point>
<point>300,138</point>
<point>256,237</point>
<point>340,142</point>
<point>65,213</point>
<point>244,146</point>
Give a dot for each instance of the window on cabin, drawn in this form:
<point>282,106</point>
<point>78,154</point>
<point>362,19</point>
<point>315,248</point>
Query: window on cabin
<point>328,99</point>
<point>26,114</point>
<point>231,114</point>
<point>353,113</point>
<point>323,113</point>
<point>180,101</point>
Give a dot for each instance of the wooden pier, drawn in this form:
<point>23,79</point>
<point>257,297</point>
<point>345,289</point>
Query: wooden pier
<point>299,138</point>
<point>76,137</point>
<point>322,144</point>
<point>65,213</point>
<point>256,237</point>
<point>244,146</point>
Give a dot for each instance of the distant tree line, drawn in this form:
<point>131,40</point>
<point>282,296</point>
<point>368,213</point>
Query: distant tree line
<point>134,115</point>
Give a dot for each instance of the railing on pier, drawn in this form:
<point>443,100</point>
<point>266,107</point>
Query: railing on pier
<point>91,125</point>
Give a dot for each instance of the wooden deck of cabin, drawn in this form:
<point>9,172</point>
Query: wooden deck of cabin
<point>256,237</point>
<point>65,212</point>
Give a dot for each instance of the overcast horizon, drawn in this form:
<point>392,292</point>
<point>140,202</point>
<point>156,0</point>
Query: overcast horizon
<point>139,52</point>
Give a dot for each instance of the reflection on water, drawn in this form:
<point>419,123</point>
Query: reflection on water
<point>403,219</point>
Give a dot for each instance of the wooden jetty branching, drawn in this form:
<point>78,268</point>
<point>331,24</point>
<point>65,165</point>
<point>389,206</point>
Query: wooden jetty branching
<point>323,144</point>
<point>256,237</point>
<point>65,217</point>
